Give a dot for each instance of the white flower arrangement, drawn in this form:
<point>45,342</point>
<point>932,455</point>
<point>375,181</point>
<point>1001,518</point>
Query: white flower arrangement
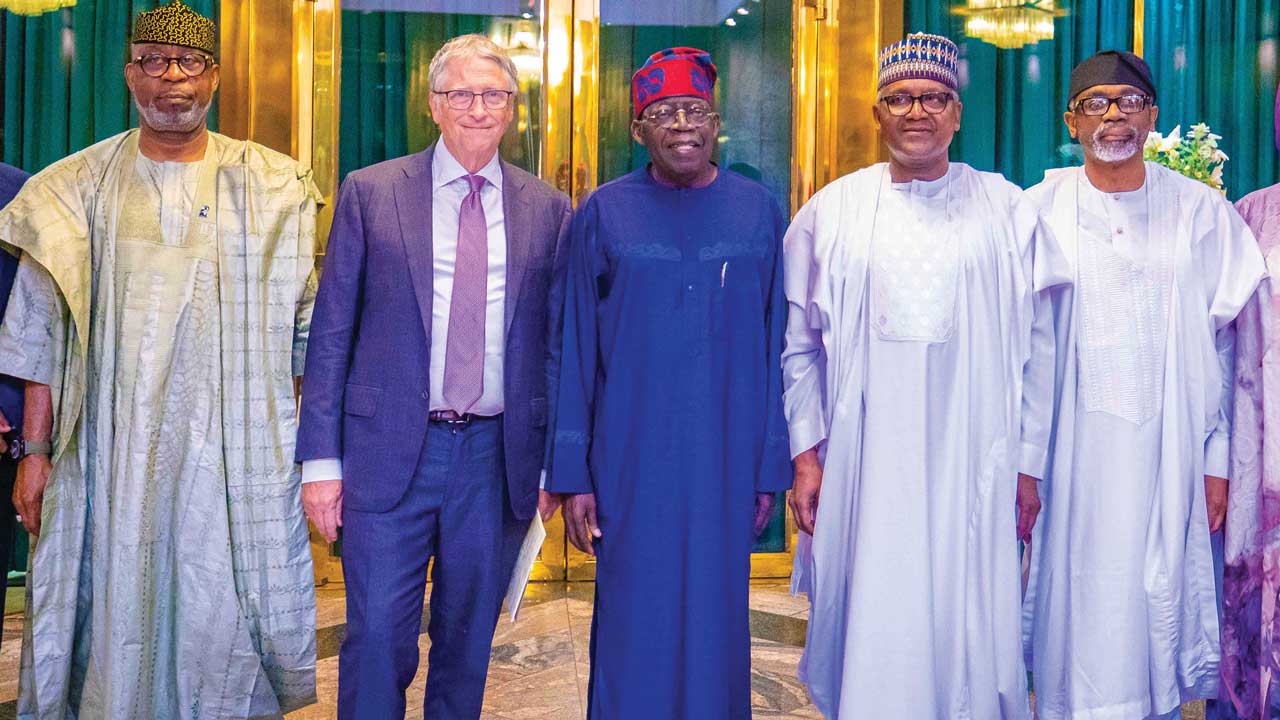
<point>1195,154</point>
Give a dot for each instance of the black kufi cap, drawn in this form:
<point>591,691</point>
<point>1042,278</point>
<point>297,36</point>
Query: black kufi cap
<point>1111,67</point>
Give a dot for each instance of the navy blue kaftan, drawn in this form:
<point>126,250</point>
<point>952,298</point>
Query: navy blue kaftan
<point>670,410</point>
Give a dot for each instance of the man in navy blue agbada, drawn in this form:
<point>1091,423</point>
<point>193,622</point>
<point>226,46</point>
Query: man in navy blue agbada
<point>670,439</point>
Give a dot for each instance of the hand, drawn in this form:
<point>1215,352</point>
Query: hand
<point>1028,505</point>
<point>548,503</point>
<point>1215,499</point>
<point>28,490</point>
<point>4,428</point>
<point>322,502</point>
<point>764,511</point>
<point>804,493</point>
<point>580,521</point>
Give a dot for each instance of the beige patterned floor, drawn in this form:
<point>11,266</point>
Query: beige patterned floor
<point>538,669</point>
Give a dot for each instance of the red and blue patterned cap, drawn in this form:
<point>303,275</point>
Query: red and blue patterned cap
<point>920,57</point>
<point>674,72</point>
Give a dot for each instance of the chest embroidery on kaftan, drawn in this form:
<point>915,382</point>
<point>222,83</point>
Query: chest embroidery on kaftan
<point>915,268</point>
<point>1124,310</point>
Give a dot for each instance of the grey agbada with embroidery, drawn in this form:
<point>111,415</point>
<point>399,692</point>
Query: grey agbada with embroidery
<point>167,306</point>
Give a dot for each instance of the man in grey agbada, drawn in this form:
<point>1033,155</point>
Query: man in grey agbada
<point>158,317</point>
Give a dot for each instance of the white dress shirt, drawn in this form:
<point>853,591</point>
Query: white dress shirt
<point>449,188</point>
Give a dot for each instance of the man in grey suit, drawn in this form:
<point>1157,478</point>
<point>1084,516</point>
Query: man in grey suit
<point>424,404</point>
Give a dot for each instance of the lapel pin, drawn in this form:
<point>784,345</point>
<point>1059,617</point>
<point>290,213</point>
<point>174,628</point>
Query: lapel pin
<point>204,211</point>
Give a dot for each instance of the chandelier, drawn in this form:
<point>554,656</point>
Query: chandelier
<point>1010,24</point>
<point>34,7</point>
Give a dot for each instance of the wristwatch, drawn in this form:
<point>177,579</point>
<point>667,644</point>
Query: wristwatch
<point>20,447</point>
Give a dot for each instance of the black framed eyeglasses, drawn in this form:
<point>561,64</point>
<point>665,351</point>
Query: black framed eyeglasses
<point>665,116</point>
<point>900,104</point>
<point>464,99</point>
<point>1099,105</point>
<point>156,65</point>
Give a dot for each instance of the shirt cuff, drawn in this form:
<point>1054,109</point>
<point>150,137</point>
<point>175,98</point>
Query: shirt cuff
<point>805,435</point>
<point>321,469</point>
<point>1217,455</point>
<point>542,480</point>
<point>1032,461</point>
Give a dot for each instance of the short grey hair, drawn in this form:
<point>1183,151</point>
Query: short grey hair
<point>465,47</point>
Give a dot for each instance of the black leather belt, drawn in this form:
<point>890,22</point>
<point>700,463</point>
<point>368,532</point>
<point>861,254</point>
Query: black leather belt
<point>453,419</point>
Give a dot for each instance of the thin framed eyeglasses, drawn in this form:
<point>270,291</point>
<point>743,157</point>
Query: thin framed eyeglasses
<point>665,116</point>
<point>1128,104</point>
<point>464,99</point>
<point>901,103</point>
<point>156,65</point>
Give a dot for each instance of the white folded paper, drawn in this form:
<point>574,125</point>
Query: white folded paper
<point>524,564</point>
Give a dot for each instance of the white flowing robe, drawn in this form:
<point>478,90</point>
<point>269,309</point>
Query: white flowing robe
<point>915,358</point>
<point>1122,608</point>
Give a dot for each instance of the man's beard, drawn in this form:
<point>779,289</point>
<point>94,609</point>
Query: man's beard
<point>168,121</point>
<point>1111,151</point>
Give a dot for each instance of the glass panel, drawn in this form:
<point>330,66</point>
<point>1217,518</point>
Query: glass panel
<point>386,48</point>
<point>750,43</point>
<point>1014,75</point>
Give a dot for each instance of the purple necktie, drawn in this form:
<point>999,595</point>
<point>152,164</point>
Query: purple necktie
<point>464,348</point>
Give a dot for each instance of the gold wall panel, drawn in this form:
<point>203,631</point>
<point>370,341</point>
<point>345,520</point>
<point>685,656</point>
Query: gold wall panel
<point>325,88</point>
<point>836,54</point>
<point>258,69</point>
<point>1139,29</point>
<point>557,108</point>
<point>804,102</point>
<point>586,97</point>
<point>856,31</point>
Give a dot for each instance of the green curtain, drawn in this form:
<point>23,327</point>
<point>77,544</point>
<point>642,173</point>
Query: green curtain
<point>385,93</point>
<point>62,75</point>
<point>1214,61</point>
<point>1014,99</point>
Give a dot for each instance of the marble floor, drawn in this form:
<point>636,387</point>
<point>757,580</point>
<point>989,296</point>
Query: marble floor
<point>538,669</point>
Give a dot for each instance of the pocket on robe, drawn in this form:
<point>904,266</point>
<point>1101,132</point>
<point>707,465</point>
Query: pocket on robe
<point>733,284</point>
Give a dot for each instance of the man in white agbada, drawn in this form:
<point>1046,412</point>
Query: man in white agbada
<point>159,316</point>
<point>1124,619</point>
<point>918,370</point>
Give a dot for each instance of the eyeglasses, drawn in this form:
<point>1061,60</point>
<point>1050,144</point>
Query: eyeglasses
<point>156,65</point>
<point>902,103</point>
<point>1128,104</point>
<point>464,99</point>
<point>665,116</point>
